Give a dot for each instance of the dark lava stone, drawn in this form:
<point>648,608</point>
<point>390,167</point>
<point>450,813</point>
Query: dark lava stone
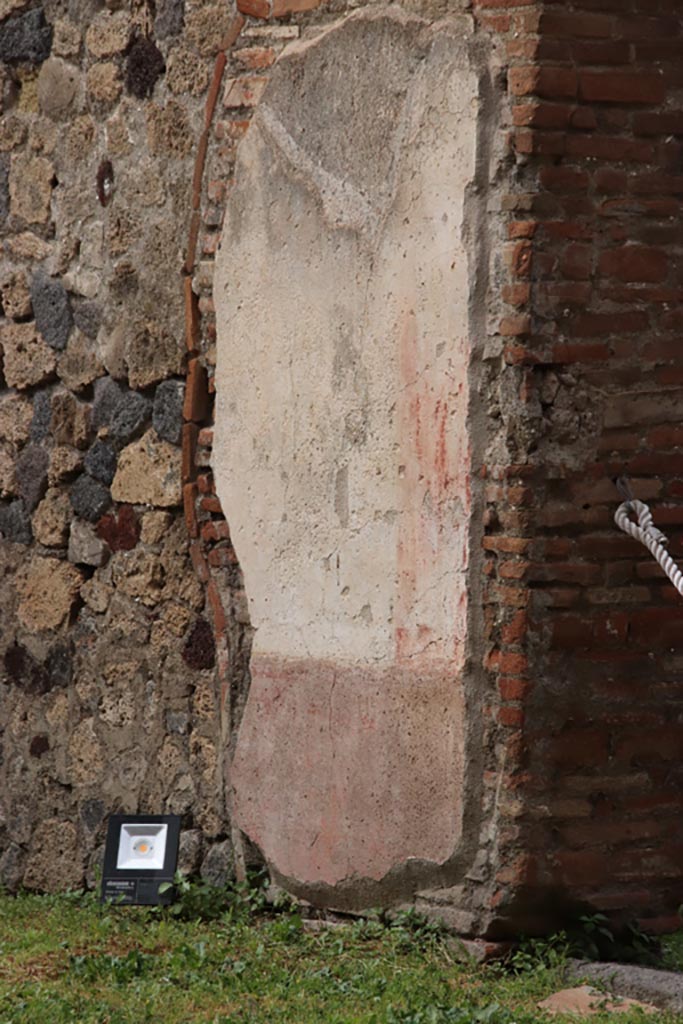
<point>92,814</point>
<point>107,396</point>
<point>39,677</point>
<point>144,64</point>
<point>26,37</point>
<point>100,462</point>
<point>42,414</point>
<point>39,745</point>
<point>130,414</point>
<point>52,310</point>
<point>88,317</point>
<point>167,418</point>
<point>89,498</point>
<point>15,523</point>
<point>31,474</point>
<point>200,647</point>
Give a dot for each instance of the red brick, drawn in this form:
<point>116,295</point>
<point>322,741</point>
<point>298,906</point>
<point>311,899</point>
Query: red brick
<point>205,437</point>
<point>507,662</point>
<point>594,325</point>
<point>582,573</point>
<point>222,558</point>
<point>512,689</point>
<point>516,294</point>
<point>602,52</point>
<point>514,326</point>
<point>579,746</point>
<point>596,833</point>
<point>199,562</point>
<point>604,147</point>
<point>576,262</point>
<point>522,228</point>
<point>210,503</point>
<point>189,501</point>
<point>511,717</point>
<point>205,483</point>
<point>636,263</point>
<point>215,531</point>
<point>519,258</point>
<point>567,353</point>
<point>542,115</point>
<point>577,25</point>
<point>189,446</point>
<point>254,8</point>
<point>220,620</point>
<point>546,82</point>
<point>197,402</point>
<point>564,179</point>
<point>191,317</point>
<point>622,87</point>
<point>570,631</point>
<point>669,122</point>
<point>508,545</point>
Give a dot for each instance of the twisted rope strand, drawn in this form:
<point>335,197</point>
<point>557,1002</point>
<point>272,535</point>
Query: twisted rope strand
<point>647,533</point>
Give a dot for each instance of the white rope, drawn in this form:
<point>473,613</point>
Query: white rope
<point>648,534</point>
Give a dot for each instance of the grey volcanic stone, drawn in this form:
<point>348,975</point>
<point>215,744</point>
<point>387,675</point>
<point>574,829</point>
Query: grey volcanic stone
<point>107,396</point>
<point>100,462</point>
<point>169,20</point>
<point>26,37</point>
<point>85,547</point>
<point>42,414</point>
<point>31,475</point>
<point>89,498</point>
<point>15,524</point>
<point>218,867</point>
<point>190,850</point>
<point>661,988</point>
<point>92,814</point>
<point>4,187</point>
<point>88,317</point>
<point>130,415</point>
<point>52,310</point>
<point>12,864</point>
<point>167,418</point>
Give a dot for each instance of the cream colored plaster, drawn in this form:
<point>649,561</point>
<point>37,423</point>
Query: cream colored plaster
<point>341,446</point>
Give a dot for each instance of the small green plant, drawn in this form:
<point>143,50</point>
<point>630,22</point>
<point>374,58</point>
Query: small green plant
<point>197,900</point>
<point>540,954</point>
<point>594,938</point>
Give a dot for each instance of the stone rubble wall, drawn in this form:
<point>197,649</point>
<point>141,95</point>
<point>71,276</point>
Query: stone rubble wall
<point>108,694</point>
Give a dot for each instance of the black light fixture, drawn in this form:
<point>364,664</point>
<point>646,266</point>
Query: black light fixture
<point>141,853</point>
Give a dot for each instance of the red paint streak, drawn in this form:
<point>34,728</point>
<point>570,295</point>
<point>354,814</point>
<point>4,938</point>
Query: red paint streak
<point>435,493</point>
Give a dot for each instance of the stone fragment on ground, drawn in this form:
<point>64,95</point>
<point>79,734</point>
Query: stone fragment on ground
<point>589,1001</point>
<point>663,988</point>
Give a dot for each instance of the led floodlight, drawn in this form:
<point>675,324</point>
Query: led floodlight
<point>141,853</point>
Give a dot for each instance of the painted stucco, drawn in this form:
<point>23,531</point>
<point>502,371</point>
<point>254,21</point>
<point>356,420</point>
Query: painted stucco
<point>341,452</point>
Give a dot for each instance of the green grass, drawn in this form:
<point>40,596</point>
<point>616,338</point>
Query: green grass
<point>65,958</point>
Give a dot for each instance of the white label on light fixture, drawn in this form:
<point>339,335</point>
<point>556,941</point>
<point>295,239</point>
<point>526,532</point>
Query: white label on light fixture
<point>141,847</point>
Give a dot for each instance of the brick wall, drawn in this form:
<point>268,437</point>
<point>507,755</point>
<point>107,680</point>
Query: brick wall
<point>586,631</point>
